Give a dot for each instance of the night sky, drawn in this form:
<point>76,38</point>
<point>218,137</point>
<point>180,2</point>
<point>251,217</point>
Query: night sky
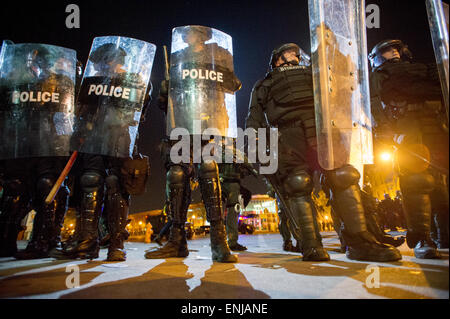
<point>255,26</point>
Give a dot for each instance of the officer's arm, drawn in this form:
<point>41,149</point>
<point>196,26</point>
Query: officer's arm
<point>163,96</point>
<point>147,101</point>
<point>380,120</point>
<point>255,118</point>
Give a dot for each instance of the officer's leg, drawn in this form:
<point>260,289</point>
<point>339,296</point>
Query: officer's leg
<point>212,198</point>
<point>346,201</point>
<point>116,207</point>
<point>179,197</point>
<point>372,224</point>
<point>43,224</point>
<point>284,229</point>
<point>298,186</point>
<point>231,192</point>
<point>92,191</point>
<point>416,189</point>
<point>439,204</point>
<point>62,204</point>
<point>14,206</point>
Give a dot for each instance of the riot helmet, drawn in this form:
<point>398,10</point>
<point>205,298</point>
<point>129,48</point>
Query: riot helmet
<point>196,34</point>
<point>376,55</point>
<point>107,56</point>
<point>278,52</point>
<point>37,61</point>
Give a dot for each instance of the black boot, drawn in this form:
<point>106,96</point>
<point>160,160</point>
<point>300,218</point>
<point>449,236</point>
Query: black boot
<point>311,241</point>
<point>179,197</point>
<point>116,207</point>
<point>237,247</point>
<point>44,222</point>
<point>86,245</point>
<point>14,206</point>
<point>418,215</point>
<point>176,246</point>
<point>361,245</point>
<point>212,198</point>
<point>62,203</point>
<point>288,246</point>
<point>219,247</point>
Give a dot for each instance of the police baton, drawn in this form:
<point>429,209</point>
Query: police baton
<point>167,76</point>
<point>61,178</point>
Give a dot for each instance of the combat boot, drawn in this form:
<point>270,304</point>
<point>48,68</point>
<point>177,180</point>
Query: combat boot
<point>219,247</point>
<point>116,207</point>
<point>288,246</point>
<point>417,204</point>
<point>212,199</point>
<point>360,243</point>
<point>176,246</point>
<point>62,203</point>
<point>237,247</point>
<point>43,224</point>
<point>311,241</point>
<point>87,245</point>
<point>14,206</point>
<point>348,206</point>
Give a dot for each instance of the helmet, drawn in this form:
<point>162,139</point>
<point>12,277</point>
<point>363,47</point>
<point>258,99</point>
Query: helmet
<point>204,33</point>
<point>107,53</point>
<point>279,51</point>
<point>376,58</point>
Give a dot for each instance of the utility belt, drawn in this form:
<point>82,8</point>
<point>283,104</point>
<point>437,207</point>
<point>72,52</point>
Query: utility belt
<point>289,124</point>
<point>135,172</point>
<point>400,110</point>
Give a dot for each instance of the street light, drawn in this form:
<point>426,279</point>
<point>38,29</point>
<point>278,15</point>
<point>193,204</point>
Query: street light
<point>385,156</point>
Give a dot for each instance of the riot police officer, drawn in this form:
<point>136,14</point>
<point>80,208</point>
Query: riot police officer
<point>408,111</point>
<point>208,107</point>
<point>285,98</point>
<point>105,134</point>
<point>37,131</point>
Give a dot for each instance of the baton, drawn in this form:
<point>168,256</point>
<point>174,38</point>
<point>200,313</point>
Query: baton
<point>166,62</point>
<point>61,178</point>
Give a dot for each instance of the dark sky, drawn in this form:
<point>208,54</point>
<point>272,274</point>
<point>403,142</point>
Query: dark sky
<point>255,26</point>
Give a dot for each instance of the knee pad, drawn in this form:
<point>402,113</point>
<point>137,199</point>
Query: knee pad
<point>208,169</point>
<point>175,175</point>
<point>91,181</point>
<point>417,183</point>
<point>44,185</point>
<point>343,177</point>
<point>299,183</point>
<point>112,184</point>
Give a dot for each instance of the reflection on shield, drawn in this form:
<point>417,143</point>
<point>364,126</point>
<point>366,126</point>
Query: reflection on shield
<point>341,87</point>
<point>438,21</point>
<point>202,81</point>
<point>112,95</point>
<point>37,87</point>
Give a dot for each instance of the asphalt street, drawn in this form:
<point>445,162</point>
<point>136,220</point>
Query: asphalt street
<point>264,271</point>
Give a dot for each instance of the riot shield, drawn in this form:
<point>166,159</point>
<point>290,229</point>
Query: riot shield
<point>341,86</point>
<point>112,95</point>
<point>37,87</point>
<point>202,81</point>
<point>438,21</point>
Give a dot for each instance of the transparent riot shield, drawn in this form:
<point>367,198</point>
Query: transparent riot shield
<point>112,95</point>
<point>341,86</point>
<point>202,82</point>
<point>37,88</point>
<point>438,21</point>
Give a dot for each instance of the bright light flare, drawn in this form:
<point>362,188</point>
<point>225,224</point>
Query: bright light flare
<point>385,156</point>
